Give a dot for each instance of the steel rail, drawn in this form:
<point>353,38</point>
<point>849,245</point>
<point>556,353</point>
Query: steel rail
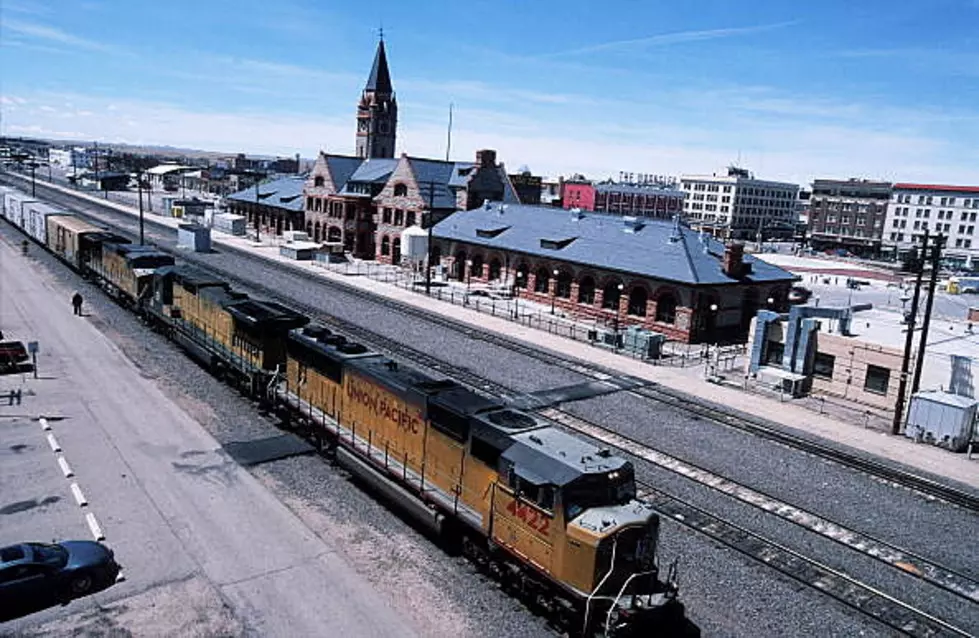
<point>912,621</point>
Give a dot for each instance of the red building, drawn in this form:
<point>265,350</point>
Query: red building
<point>578,193</point>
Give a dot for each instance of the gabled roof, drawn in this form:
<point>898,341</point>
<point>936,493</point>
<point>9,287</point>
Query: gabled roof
<point>650,248</point>
<point>435,172</point>
<point>341,168</point>
<point>380,78</point>
<point>285,193</point>
<point>372,170</point>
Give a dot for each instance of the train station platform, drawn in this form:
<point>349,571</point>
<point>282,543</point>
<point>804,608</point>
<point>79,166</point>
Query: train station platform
<point>795,417</point>
<point>96,449</point>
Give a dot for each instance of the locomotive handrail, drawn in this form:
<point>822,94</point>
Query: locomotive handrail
<point>611,568</point>
<point>615,603</point>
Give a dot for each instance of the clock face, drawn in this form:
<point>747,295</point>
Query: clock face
<point>364,124</point>
<point>383,126</point>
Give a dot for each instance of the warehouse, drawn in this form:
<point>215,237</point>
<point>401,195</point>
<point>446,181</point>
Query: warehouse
<point>618,270</point>
<point>271,207</point>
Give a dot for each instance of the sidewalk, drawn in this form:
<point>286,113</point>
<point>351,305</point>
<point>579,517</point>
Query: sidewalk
<point>927,458</point>
<point>170,501</point>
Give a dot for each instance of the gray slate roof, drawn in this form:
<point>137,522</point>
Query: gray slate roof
<point>285,193</point>
<point>342,167</point>
<point>602,241</point>
<point>380,77</point>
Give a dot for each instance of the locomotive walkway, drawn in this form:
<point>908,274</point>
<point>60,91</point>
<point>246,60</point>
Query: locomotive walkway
<point>174,507</point>
<point>922,457</point>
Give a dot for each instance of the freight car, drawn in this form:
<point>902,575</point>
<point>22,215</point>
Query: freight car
<point>552,516</point>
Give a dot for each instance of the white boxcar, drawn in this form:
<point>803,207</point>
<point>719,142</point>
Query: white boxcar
<point>16,206</point>
<point>36,220</point>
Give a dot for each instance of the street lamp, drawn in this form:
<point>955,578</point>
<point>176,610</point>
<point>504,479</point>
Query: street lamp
<point>139,191</point>
<point>516,294</point>
<point>554,290</point>
<point>618,311</point>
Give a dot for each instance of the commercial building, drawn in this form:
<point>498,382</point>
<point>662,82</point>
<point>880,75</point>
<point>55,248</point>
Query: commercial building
<point>813,351</point>
<point>656,274</point>
<point>949,210</point>
<point>736,205</point>
<point>651,200</point>
<point>848,214</point>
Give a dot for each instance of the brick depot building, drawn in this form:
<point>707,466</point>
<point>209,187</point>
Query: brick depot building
<point>368,203</point>
<point>620,270</point>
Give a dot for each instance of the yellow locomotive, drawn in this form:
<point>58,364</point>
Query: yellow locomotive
<point>549,514</point>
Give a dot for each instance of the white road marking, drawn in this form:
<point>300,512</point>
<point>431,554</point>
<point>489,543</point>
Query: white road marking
<point>65,469</point>
<point>53,442</point>
<point>79,497</point>
<point>93,525</point>
<point>44,424</point>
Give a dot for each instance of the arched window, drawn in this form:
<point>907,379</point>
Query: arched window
<point>435,255</point>
<point>543,282</point>
<point>494,269</point>
<point>385,245</point>
<point>586,290</point>
<point>334,234</point>
<point>611,294</point>
<point>666,308</point>
<point>316,232</point>
<point>309,228</point>
<point>563,287</point>
<point>520,277</point>
<point>400,190</point>
<point>476,270</point>
<point>459,266</point>
<point>396,251</point>
<point>318,181</point>
<point>637,301</point>
<point>410,218</point>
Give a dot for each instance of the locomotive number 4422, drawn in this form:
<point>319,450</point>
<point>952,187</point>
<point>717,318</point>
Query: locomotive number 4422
<point>530,516</point>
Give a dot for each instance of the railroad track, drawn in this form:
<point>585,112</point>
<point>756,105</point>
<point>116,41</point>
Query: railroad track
<point>651,391</point>
<point>860,596</point>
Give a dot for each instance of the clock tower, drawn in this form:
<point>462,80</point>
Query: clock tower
<point>377,112</point>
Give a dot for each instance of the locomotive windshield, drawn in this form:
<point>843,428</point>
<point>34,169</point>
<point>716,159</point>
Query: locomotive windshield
<point>617,487</point>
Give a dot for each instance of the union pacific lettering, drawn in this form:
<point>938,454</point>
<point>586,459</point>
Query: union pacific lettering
<point>382,405</point>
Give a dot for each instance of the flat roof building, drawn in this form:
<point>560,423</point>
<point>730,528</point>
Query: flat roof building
<point>949,210</point>
<point>738,206</point>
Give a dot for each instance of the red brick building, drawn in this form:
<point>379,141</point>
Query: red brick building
<point>620,270</point>
<point>367,203</point>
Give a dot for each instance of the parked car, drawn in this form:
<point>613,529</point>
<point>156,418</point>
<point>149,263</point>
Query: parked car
<point>34,576</point>
<point>12,354</point>
<point>799,295</point>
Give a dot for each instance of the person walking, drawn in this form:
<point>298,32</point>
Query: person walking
<point>76,303</point>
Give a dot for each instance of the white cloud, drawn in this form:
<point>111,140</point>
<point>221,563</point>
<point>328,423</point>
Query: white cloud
<point>48,33</point>
<point>665,39</point>
<point>786,148</point>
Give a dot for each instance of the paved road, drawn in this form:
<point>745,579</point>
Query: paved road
<point>172,504</point>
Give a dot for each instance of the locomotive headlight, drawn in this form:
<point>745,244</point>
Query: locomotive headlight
<point>613,475</point>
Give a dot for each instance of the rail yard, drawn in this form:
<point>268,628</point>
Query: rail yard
<point>750,511</point>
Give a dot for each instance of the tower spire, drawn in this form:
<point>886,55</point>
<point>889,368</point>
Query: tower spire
<point>377,112</point>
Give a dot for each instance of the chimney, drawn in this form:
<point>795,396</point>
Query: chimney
<point>299,165</point>
<point>733,264</point>
<point>486,158</point>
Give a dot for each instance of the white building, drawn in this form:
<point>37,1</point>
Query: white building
<point>70,157</point>
<point>949,210</point>
<point>737,205</point>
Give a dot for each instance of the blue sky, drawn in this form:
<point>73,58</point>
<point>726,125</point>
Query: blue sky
<point>796,90</point>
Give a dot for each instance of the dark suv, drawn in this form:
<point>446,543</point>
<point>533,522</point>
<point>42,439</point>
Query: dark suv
<point>12,355</point>
<point>34,576</point>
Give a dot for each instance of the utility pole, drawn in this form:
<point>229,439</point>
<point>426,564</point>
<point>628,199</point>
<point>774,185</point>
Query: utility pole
<point>936,256</point>
<point>428,247</point>
<point>139,191</point>
<point>33,166</point>
<point>909,339</point>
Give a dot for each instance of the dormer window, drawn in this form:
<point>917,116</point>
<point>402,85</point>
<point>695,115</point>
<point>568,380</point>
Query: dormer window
<point>318,181</point>
<point>400,190</point>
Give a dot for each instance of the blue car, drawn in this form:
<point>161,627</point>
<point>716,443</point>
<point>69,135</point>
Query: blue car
<point>34,576</point>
